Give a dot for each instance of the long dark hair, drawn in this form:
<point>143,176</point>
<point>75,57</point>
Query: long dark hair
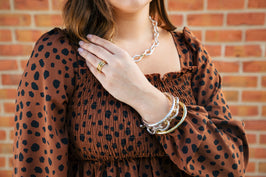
<point>82,17</point>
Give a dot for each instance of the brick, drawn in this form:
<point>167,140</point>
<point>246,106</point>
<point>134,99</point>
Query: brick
<point>6,173</point>
<point>205,20</point>
<point>264,111</point>
<point>8,93</point>
<point>239,81</point>
<point>10,162</point>
<point>11,79</point>
<point>11,135</point>
<point>2,162</point>
<point>177,20</point>
<point>2,135</point>
<point>231,95</point>
<point>262,167</point>
<point>254,66</point>
<point>214,50</point>
<point>258,125</point>
<point>31,4</point>
<point>9,107</point>
<point>262,139</point>
<point>256,4</point>
<point>243,51</point>
<point>198,34</point>
<point>6,148</point>
<point>4,4</point>
<point>227,67</point>
<point>23,64</point>
<point>223,35</point>
<point>15,50</point>
<point>251,138</point>
<point>5,36</point>
<point>58,4</point>
<point>15,20</point>
<point>244,110</point>
<point>245,18</point>
<point>258,153</point>
<point>7,121</point>
<point>48,20</point>
<point>184,5</point>
<point>225,4</point>
<point>256,35</point>
<point>251,167</point>
<point>7,65</point>
<point>28,35</point>
<point>254,96</point>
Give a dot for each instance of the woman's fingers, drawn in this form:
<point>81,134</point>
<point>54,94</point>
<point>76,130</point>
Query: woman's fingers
<point>100,76</point>
<point>96,50</point>
<point>92,59</point>
<point>104,43</point>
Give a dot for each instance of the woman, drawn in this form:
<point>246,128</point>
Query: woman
<point>92,105</point>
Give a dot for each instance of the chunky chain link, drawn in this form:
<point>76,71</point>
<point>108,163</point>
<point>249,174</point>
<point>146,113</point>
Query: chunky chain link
<point>164,123</point>
<point>155,43</point>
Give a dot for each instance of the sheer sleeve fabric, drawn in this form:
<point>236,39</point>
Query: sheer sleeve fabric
<point>209,142</point>
<point>41,138</point>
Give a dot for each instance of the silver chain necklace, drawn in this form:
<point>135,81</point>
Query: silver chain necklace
<point>155,43</point>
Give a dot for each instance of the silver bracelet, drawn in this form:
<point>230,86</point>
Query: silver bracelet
<point>179,123</point>
<point>164,124</point>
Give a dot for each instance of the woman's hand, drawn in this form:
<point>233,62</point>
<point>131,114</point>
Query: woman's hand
<point>121,76</point>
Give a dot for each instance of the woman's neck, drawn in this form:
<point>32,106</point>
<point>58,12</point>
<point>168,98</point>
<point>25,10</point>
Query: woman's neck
<point>133,27</point>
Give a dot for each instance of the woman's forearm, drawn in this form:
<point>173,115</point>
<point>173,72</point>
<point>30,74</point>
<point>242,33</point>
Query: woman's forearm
<point>153,106</point>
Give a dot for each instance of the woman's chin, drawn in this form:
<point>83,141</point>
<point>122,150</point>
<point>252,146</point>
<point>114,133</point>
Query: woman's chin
<point>129,6</point>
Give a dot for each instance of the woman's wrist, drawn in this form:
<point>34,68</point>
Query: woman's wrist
<point>153,106</point>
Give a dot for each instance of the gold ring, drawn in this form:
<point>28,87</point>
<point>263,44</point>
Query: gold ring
<point>100,65</point>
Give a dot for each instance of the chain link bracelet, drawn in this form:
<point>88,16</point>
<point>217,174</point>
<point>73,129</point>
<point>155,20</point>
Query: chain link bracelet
<point>160,132</point>
<point>164,124</point>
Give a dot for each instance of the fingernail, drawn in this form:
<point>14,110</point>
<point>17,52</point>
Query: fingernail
<point>81,42</point>
<point>80,50</point>
<point>89,36</point>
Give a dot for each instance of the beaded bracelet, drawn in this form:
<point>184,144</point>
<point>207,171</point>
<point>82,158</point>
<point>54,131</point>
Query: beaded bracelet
<point>164,124</point>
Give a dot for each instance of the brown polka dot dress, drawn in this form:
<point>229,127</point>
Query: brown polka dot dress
<point>67,124</point>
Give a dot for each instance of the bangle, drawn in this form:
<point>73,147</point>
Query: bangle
<point>164,124</point>
<point>179,123</point>
<point>172,100</point>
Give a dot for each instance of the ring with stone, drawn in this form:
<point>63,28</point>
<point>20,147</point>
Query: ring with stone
<point>100,65</point>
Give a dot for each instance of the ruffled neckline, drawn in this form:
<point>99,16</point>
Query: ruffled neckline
<point>172,75</point>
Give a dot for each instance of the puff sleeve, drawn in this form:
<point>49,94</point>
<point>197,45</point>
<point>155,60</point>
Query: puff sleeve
<point>209,142</point>
<point>41,139</point>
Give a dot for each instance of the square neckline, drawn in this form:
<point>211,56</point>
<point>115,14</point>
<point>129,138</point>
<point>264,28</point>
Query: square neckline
<point>163,77</point>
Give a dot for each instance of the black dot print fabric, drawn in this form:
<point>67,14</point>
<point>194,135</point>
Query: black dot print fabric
<point>67,124</point>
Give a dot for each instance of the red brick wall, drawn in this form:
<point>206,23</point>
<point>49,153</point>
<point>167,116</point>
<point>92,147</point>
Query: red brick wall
<point>234,32</point>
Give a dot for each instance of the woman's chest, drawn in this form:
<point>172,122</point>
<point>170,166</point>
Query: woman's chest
<point>102,127</point>
<point>164,59</point>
